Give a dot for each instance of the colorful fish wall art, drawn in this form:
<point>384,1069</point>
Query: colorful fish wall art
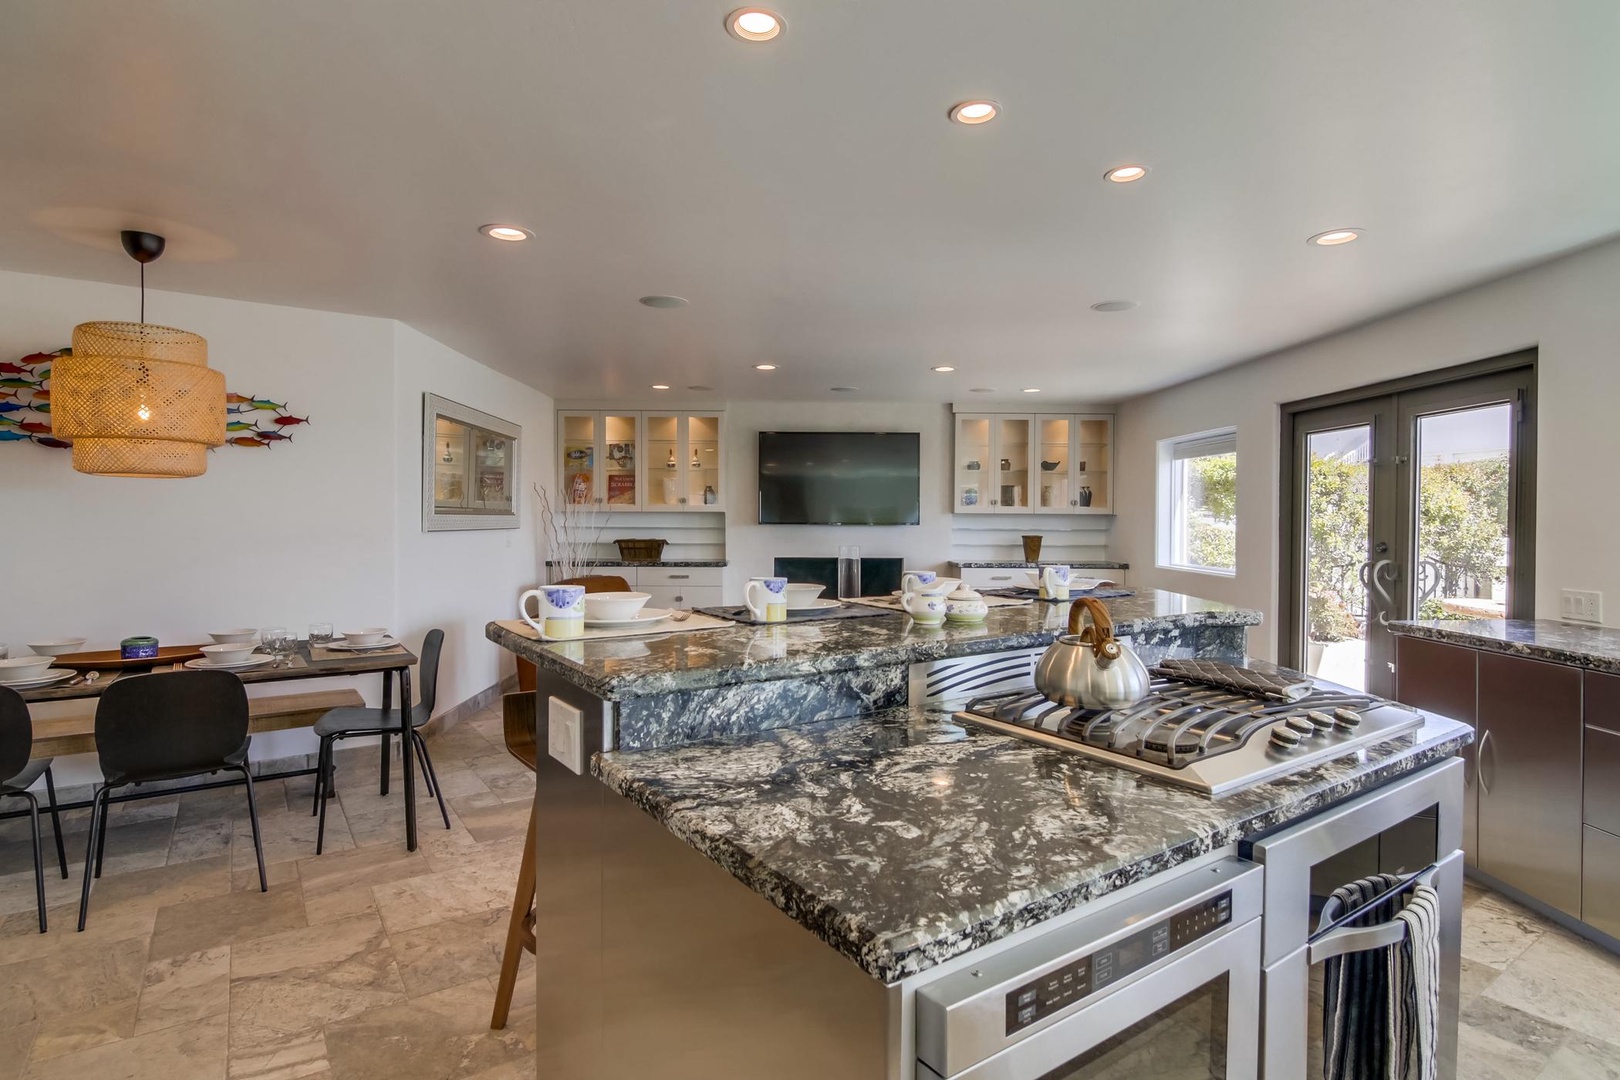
<point>25,409</point>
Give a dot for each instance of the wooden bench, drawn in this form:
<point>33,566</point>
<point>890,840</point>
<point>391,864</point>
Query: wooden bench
<point>77,734</point>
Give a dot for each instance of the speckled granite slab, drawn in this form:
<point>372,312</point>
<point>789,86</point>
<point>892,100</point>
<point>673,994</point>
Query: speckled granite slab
<point>902,840</point>
<point>680,663</point>
<point>1594,647</point>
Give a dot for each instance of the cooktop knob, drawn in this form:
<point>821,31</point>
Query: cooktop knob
<point>1300,724</point>
<point>1321,720</point>
<point>1348,719</point>
<point>1284,739</point>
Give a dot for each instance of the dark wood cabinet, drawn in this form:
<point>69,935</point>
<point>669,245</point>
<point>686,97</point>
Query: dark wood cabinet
<point>1528,772</point>
<point>1443,679</point>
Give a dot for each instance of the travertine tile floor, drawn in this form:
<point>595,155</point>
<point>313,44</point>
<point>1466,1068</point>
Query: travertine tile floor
<point>371,962</point>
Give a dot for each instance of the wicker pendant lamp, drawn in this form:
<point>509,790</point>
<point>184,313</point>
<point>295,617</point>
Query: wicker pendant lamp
<point>137,399</point>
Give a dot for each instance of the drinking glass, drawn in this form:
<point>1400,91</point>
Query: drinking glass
<point>320,633</point>
<point>277,642</point>
<point>849,571</point>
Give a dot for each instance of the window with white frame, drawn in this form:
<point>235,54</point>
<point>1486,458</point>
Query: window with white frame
<point>1198,502</point>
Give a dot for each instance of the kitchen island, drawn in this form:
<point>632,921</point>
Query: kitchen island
<point>766,881</point>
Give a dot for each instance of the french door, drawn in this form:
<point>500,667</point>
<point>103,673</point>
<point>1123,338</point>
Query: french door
<point>1409,501</point>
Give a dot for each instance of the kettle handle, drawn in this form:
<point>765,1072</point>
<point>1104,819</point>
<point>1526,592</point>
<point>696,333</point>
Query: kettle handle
<point>1100,635</point>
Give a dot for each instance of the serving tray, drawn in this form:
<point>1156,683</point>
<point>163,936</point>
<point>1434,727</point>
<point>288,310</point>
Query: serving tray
<point>112,660</point>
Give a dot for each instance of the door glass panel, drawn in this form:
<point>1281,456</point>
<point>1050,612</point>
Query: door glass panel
<point>972,462</point>
<point>703,470</point>
<point>1462,507</point>
<point>1056,471</point>
<point>1338,506</point>
<point>1092,466</point>
<point>1013,467</point>
<point>620,466</point>
<point>1186,1040</point>
<point>579,459</point>
<point>664,467</point>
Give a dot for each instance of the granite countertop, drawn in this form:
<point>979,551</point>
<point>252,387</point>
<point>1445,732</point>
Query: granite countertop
<point>1025,565</point>
<point>602,563</point>
<point>1595,647</point>
<point>677,662</point>
<point>902,839</point>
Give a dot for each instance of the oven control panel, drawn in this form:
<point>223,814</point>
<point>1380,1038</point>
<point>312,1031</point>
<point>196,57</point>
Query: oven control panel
<point>1056,990</point>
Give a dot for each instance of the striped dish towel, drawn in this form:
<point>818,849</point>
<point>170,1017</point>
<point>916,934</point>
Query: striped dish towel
<point>1381,1007</point>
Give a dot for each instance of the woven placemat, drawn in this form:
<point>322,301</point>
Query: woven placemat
<point>320,652</point>
<point>692,624</point>
<point>742,615</point>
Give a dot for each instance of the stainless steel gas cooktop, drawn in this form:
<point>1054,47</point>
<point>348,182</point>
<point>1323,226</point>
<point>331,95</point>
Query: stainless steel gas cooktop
<point>1201,737</point>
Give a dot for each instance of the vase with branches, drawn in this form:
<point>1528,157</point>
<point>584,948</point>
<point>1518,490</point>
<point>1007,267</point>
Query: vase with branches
<point>567,536</point>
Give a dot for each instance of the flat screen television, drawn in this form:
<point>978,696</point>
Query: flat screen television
<point>839,478</point>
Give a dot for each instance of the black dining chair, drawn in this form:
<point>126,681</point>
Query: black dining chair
<point>17,775</point>
<point>348,723</point>
<point>166,726</point>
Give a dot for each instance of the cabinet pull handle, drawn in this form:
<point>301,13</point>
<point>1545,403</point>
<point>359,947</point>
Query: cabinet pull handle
<point>994,503</point>
<point>1001,577</point>
<point>1479,765</point>
<point>679,577</point>
<point>679,598</point>
<point>682,501</point>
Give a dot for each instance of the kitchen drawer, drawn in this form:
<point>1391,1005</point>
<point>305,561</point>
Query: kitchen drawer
<point>981,577</point>
<point>1602,786</point>
<point>678,596</point>
<point>678,576</point>
<point>1600,880</point>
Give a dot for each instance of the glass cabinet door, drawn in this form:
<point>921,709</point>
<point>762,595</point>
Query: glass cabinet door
<point>665,470</point>
<point>973,465</point>
<point>1054,449</point>
<point>1012,464</point>
<point>579,440</point>
<point>1093,472</point>
<point>703,462</point>
<point>621,461</point>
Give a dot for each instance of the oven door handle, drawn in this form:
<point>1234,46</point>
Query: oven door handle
<point>1354,939</point>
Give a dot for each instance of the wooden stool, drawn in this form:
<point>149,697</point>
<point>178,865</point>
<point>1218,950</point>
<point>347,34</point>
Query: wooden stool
<point>518,716</point>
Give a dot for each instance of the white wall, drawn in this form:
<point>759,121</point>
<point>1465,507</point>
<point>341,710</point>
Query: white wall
<point>325,527</point>
<point>1567,308</point>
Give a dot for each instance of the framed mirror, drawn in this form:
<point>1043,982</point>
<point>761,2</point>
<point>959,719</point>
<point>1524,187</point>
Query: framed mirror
<point>469,468</point>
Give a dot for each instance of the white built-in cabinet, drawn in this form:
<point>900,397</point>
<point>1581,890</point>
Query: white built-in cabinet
<point>1033,463</point>
<point>648,461</point>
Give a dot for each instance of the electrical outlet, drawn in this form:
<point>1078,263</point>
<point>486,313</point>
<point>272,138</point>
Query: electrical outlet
<point>1580,605</point>
<point>565,734</point>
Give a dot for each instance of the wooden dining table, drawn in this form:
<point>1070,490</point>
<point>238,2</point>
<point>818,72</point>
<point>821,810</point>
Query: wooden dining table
<point>301,664</point>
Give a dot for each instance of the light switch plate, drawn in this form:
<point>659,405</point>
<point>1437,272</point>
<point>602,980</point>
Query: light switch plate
<point>565,734</point>
<point>1581,605</point>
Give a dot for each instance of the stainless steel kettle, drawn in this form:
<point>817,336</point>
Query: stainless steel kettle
<point>1088,667</point>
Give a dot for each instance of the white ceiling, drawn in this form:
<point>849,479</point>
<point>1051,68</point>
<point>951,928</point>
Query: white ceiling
<point>808,195</point>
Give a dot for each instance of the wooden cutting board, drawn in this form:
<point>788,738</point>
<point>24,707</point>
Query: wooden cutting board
<point>112,660</point>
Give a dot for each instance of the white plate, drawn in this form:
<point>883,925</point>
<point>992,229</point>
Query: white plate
<point>52,675</point>
<point>385,643</point>
<point>204,664</point>
<point>645,615</point>
<point>819,604</point>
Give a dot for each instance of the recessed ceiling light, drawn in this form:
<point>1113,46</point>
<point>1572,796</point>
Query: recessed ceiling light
<point>664,301</point>
<point>764,367</point>
<point>975,112</point>
<point>660,386</point>
<point>1124,174</point>
<point>1334,237</point>
<point>510,233</point>
<point>845,389</point>
<point>755,24</point>
<point>700,389</point>
<point>1032,389</point>
<point>982,390</point>
<point>943,369</point>
<point>1113,305</point>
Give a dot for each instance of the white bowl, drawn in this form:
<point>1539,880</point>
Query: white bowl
<point>614,606</point>
<point>803,595</point>
<point>22,668</point>
<point>228,652</point>
<point>368,635</point>
<point>59,647</point>
<point>233,637</point>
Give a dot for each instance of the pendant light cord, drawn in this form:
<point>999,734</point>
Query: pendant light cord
<point>143,292</point>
